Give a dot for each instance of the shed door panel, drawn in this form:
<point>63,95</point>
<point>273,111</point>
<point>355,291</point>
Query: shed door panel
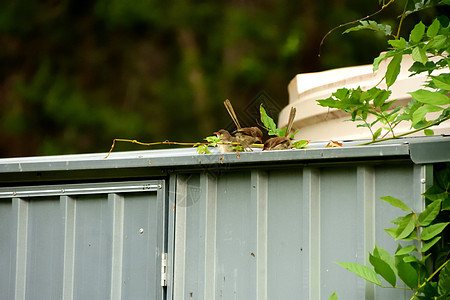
<point>83,241</point>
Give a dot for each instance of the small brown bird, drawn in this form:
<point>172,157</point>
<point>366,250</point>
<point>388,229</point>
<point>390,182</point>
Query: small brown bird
<point>245,136</point>
<point>281,142</point>
<point>226,138</point>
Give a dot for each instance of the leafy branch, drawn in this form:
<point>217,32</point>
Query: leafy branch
<point>428,48</point>
<point>411,263</point>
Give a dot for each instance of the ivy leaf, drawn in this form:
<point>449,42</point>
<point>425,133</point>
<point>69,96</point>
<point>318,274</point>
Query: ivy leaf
<point>417,32</point>
<point>393,69</point>
<point>362,271</point>
<point>418,54</point>
<point>396,202</point>
<point>430,213</point>
<point>371,25</point>
<point>433,230</point>
<point>429,97</point>
<point>426,246</point>
<point>433,29</point>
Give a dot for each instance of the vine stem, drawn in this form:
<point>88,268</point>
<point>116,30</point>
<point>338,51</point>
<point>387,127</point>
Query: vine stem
<point>353,22</point>
<point>166,142</point>
<point>152,144</point>
<point>401,20</point>
<point>429,278</point>
<point>409,132</point>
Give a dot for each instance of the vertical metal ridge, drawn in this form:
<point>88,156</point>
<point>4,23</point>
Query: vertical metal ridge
<point>423,178</point>
<point>116,208</point>
<point>366,204</point>
<point>171,234</point>
<point>259,183</point>
<point>20,212</point>
<point>311,198</point>
<point>68,206</point>
<point>180,239</point>
<point>208,185</point>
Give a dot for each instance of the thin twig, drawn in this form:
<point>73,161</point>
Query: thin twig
<point>353,22</point>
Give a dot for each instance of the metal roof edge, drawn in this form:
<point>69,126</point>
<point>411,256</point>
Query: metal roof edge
<point>420,150</point>
<point>175,158</point>
<point>426,151</point>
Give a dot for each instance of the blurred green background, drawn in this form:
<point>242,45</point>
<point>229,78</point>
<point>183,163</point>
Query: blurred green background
<point>76,74</point>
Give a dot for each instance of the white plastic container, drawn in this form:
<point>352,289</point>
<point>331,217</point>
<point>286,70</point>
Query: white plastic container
<point>318,123</point>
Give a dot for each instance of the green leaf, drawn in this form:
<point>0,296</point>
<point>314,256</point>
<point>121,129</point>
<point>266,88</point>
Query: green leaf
<point>433,230</point>
<point>444,281</point>
<point>406,250</point>
<point>442,81</point>
<point>406,227</point>
<point>333,296</point>
<point>426,246</point>
<point>300,144</point>
<point>420,113</point>
<point>393,69</point>
<point>428,132</point>
<point>439,42</point>
<point>362,271</point>
<point>383,268</point>
<point>396,202</point>
<point>293,134</point>
<point>430,213</point>
<point>376,134</point>
<point>407,273</point>
<point>417,32</point>
<point>380,96</point>
<point>392,231</point>
<point>399,44</point>
<point>430,97</point>
<point>433,29</point>
<point>371,25</point>
<point>384,255</point>
<point>410,258</point>
<point>418,54</point>
<point>434,193</point>
<point>268,122</point>
<point>377,61</point>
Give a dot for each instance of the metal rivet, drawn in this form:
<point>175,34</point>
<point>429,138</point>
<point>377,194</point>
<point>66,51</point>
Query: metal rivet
<point>423,181</point>
<point>63,191</point>
<point>14,193</point>
<point>159,186</point>
<point>141,230</point>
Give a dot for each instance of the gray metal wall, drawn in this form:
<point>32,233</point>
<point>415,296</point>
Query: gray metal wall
<point>263,226</point>
<point>275,233</point>
<point>82,241</point>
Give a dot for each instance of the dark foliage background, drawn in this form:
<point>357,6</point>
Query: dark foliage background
<point>76,74</point>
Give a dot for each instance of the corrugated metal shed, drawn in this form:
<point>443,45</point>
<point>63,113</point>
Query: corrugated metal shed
<point>172,224</point>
